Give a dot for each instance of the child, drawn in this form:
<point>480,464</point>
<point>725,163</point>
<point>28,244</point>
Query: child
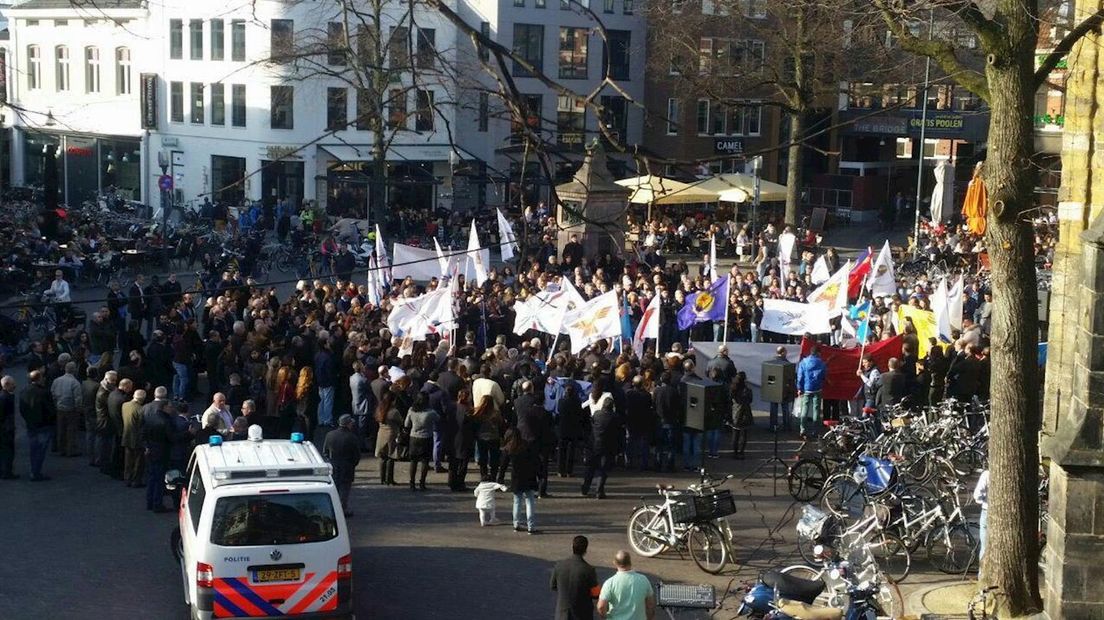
<point>485,502</point>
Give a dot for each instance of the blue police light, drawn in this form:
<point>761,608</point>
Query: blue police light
<point>215,440</point>
<point>297,438</point>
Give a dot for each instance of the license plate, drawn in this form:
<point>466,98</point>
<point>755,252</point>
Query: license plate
<point>275,574</point>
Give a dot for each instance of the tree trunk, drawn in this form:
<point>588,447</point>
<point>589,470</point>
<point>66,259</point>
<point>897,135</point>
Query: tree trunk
<point>1011,557</point>
<point>793,167</point>
<point>377,184</point>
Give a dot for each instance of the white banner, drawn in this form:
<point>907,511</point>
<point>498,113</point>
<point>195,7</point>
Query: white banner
<point>883,283</point>
<point>421,265</point>
<point>795,319</point>
<point>748,357</point>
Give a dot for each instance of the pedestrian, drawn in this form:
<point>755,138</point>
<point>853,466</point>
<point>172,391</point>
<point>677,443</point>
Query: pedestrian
<point>575,583</point>
<point>68,397</point>
<point>536,430</point>
<point>159,433</point>
<point>871,379</point>
<point>463,442</point>
<point>524,460</point>
<point>742,419</point>
<point>218,416</point>
<point>419,424</point>
<point>7,428</point>
<point>486,503</point>
<point>893,387</point>
<point>390,422</point>
<point>641,423</point>
<point>606,433</point>
<point>811,372</point>
<point>668,410</point>
<point>40,417</point>
<point>89,387</point>
<point>342,449</point>
<point>981,496</point>
<point>102,456</point>
<point>572,425</point>
<point>113,455</point>
<point>627,595</point>
<point>134,452</point>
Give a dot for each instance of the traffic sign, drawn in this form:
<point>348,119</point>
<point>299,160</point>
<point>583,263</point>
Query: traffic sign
<point>165,182</point>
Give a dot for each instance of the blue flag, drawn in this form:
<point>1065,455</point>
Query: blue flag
<point>860,315</point>
<point>626,318</point>
<point>707,305</point>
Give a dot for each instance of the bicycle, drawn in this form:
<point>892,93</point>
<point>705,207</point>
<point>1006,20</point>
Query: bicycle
<point>693,519</point>
<point>838,574</point>
<point>988,605</point>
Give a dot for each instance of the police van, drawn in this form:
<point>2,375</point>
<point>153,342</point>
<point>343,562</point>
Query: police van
<point>262,534</point>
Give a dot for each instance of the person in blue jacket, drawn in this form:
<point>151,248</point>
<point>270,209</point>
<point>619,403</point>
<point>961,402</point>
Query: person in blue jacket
<point>811,373</point>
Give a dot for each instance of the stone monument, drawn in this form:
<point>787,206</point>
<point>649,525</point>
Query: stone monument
<point>593,207</point>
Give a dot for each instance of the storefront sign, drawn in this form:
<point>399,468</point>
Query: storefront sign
<point>940,122</point>
<point>892,125</point>
<point>274,152</point>
<point>728,146</point>
<point>148,87</point>
<point>79,151</point>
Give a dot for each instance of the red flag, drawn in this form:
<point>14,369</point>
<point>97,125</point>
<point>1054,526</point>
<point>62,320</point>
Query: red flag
<point>841,382</point>
<point>858,274</point>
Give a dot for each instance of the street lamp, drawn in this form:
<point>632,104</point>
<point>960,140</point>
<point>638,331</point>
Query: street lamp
<point>756,170</point>
<point>163,162</point>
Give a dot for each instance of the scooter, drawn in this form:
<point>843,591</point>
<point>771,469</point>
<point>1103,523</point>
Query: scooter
<point>778,596</point>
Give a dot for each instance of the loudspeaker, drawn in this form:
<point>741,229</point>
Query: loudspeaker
<point>778,382</point>
<point>703,398</point>
<point>1044,305</point>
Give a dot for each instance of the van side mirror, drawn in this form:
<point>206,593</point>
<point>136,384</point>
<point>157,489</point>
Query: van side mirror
<point>173,479</point>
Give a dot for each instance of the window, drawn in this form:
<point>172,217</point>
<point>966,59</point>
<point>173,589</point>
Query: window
<point>966,101</point>
<point>237,40</point>
<point>616,58</point>
<point>900,96</point>
<point>398,50</point>
<point>367,43</point>
<point>607,6</point>
<point>718,116</point>
<point>176,102</point>
<point>615,115</point>
<point>396,109</point>
<point>484,111</point>
<point>703,116</point>
<point>237,105</point>
<point>335,44</point>
<point>565,5</point>
<point>123,71</point>
<point>570,121</point>
<point>573,53</point>
<point>34,68</point>
<point>195,38</point>
<point>176,39</point>
<point>745,119</point>
<point>529,47</point>
<point>712,7</point>
<point>282,107</point>
<point>705,55</point>
<point>863,96</point>
<point>365,111</point>
<point>61,22</point>
<point>627,7</point>
<point>540,4</point>
<point>531,110</point>
<point>91,70</point>
<point>282,42</point>
<point>196,495</point>
<point>218,39</point>
<point>196,91</point>
<point>519,3</point>
<point>61,67</point>
<point>672,116</point>
<point>485,30</point>
<point>32,22</point>
<point>253,520</point>
<point>756,9</point>
<point>218,104</point>
<point>337,106</point>
<point>427,48</point>
<point>423,114</point>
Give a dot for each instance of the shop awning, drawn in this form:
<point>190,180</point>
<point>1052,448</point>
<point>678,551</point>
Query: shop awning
<point>651,189</point>
<point>395,152</point>
<point>739,187</point>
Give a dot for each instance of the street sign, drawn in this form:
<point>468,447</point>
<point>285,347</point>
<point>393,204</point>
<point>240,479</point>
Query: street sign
<point>165,182</point>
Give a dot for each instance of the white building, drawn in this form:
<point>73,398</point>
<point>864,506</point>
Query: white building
<point>119,88</point>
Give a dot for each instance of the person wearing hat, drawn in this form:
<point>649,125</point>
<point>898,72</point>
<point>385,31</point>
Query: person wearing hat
<point>342,449</point>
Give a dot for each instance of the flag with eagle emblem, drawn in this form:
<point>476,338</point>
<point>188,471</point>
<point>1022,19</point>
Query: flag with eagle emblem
<point>598,318</point>
<point>833,292</point>
<point>707,305</point>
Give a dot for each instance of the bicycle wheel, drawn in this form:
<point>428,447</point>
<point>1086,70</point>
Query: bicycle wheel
<point>968,461</point>
<point>708,547</point>
<point>844,497</point>
<point>952,550</point>
<point>806,479</point>
<point>643,519</point>
<point>890,602</point>
<point>829,597</point>
<point>892,556</point>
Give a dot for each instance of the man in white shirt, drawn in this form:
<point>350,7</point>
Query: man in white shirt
<point>59,288</point>
<point>218,415</point>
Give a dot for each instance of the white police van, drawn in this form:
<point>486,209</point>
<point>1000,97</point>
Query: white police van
<point>262,534</point>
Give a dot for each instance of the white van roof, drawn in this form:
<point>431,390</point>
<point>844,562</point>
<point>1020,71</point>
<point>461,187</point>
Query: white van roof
<point>238,462</point>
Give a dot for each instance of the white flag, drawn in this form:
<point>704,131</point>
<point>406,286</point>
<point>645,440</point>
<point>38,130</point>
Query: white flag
<point>384,261</point>
<point>441,259</point>
<point>882,282</point>
<point>648,327</point>
<point>954,303</point>
<point>599,318</point>
<point>795,319</point>
<point>712,257</point>
<point>820,271</point>
<point>416,317</point>
<point>574,298</point>
<point>833,292</point>
<point>477,257</point>
<point>939,305</point>
<point>375,288</point>
<point>786,243</point>
<point>506,237</point>
<point>540,314</point>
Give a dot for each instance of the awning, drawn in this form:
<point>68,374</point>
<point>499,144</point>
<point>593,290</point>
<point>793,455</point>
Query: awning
<point>651,189</point>
<point>395,152</point>
<point>739,187</point>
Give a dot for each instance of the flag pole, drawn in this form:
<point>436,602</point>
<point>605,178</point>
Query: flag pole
<point>728,303</point>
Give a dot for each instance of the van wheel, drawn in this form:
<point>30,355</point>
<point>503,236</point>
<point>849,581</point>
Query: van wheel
<point>176,544</point>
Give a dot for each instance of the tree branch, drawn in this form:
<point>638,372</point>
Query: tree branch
<point>1090,24</point>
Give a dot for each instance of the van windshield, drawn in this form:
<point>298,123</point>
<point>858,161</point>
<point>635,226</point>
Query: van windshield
<point>250,520</point>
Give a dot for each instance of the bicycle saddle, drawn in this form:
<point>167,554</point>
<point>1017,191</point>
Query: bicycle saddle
<point>803,611</point>
<point>793,587</point>
<point>664,487</point>
<point>831,423</point>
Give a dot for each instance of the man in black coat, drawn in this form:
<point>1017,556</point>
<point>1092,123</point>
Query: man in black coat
<point>137,302</point>
<point>536,429</point>
<point>895,386</point>
<point>40,417</point>
<point>342,449</point>
<point>606,433</point>
<point>449,381</point>
<point>443,430</point>
<point>7,428</point>
<point>641,423</point>
<point>574,581</point>
<point>669,411</point>
<point>159,433</point>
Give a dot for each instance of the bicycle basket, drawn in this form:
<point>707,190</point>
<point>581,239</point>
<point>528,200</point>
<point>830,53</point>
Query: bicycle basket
<point>715,506</point>
<point>813,523</point>
<point>684,510</point>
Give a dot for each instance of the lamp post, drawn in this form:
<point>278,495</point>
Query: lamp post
<point>165,187</point>
<point>923,136</point>
<point>756,170</point>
